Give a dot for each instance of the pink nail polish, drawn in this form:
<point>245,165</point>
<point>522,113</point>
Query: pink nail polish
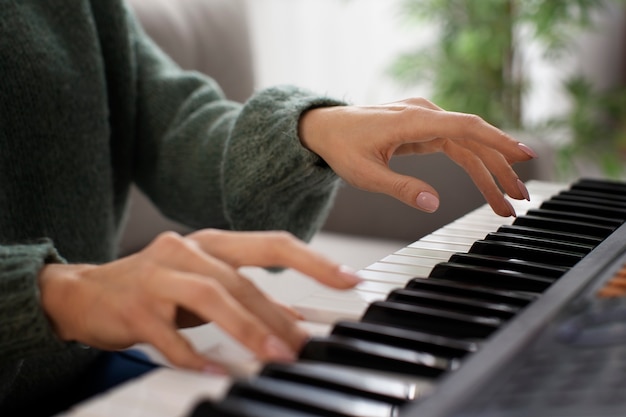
<point>427,201</point>
<point>511,209</point>
<point>523,189</point>
<point>527,150</point>
<point>349,275</point>
<point>214,369</point>
<point>278,350</point>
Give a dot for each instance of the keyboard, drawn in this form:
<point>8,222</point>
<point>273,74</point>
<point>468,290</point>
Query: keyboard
<point>484,317</point>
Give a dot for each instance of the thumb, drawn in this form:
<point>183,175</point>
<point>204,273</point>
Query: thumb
<point>412,191</point>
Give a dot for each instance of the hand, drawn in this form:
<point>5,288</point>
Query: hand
<point>358,142</point>
<point>180,281</point>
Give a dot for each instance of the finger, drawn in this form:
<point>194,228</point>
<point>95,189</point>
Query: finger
<point>210,301</point>
<point>498,165</point>
<point>481,176</point>
<point>410,190</point>
<point>174,347</point>
<point>272,249</point>
<point>436,124</point>
<point>186,254</point>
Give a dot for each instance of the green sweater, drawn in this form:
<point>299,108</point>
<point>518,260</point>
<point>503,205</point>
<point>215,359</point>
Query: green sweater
<point>88,105</point>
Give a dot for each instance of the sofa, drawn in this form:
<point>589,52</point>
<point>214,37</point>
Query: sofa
<point>213,36</point>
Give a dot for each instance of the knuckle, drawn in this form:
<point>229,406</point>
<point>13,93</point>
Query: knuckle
<point>472,121</point>
<point>168,241</point>
<point>285,238</point>
<point>401,187</point>
<point>244,289</point>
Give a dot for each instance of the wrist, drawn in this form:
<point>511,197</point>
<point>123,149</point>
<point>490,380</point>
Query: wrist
<point>58,286</point>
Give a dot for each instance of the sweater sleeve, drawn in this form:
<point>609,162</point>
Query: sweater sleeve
<point>210,162</point>
<point>25,329</point>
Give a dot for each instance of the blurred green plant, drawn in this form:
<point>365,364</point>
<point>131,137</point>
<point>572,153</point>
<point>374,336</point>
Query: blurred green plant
<point>477,67</point>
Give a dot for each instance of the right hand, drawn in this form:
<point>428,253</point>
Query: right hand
<point>178,282</point>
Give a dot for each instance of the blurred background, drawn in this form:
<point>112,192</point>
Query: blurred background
<point>550,72</point>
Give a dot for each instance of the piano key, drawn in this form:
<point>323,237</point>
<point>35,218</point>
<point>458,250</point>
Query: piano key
<point>448,235</point>
<point>458,230</point>
<point>606,202</point>
<point>577,217</point>
<point>539,242</point>
<point>321,309</point>
<point>585,208</point>
<point>400,258</point>
<point>453,303</point>
<point>348,351</point>
<point>441,346</point>
<point>550,234</point>
<point>518,265</point>
<point>440,247</point>
<point>343,379</point>
<point>244,407</point>
<point>524,252</point>
<point>309,399</point>
<point>401,268</point>
<point>618,198</point>
<point>384,276</point>
<point>494,278</point>
<point>424,253</point>
<point>606,186</point>
<point>564,226</point>
<point>471,289</point>
<point>430,320</point>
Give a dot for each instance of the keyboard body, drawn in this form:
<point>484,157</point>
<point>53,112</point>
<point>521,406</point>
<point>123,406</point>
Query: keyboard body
<point>541,338</point>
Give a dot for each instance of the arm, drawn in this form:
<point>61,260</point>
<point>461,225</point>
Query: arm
<point>204,159</point>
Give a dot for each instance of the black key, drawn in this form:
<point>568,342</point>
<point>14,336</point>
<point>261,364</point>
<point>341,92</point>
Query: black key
<point>340,379</point>
<point>431,320</point>
<point>495,262</point>
<point>453,303</point>
<point>577,217</point>
<point>371,355</point>
<point>539,242</point>
<point>550,234</point>
<point>309,399</point>
<point>585,208</point>
<point>472,290</point>
<point>605,202</point>
<point>243,407</point>
<point>441,346</point>
<point>618,198</point>
<point>597,185</point>
<point>523,252</point>
<point>494,278</point>
<point>553,223</point>
<point>564,226</point>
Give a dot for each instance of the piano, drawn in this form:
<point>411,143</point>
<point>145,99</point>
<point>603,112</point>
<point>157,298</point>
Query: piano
<point>483,317</point>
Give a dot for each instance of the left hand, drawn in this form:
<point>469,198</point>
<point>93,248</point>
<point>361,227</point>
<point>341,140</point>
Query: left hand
<point>357,142</point>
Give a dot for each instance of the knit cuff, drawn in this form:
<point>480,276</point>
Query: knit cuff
<point>25,328</point>
<point>270,180</point>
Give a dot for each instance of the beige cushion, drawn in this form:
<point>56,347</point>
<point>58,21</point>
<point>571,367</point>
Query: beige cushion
<point>210,36</point>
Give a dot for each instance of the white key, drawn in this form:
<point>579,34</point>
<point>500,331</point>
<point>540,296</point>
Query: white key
<point>160,393</point>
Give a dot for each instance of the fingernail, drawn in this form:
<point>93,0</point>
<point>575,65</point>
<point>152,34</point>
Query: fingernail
<point>427,201</point>
<point>523,189</point>
<point>278,350</point>
<point>349,275</point>
<point>527,150</point>
<point>214,369</point>
<point>511,209</point>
